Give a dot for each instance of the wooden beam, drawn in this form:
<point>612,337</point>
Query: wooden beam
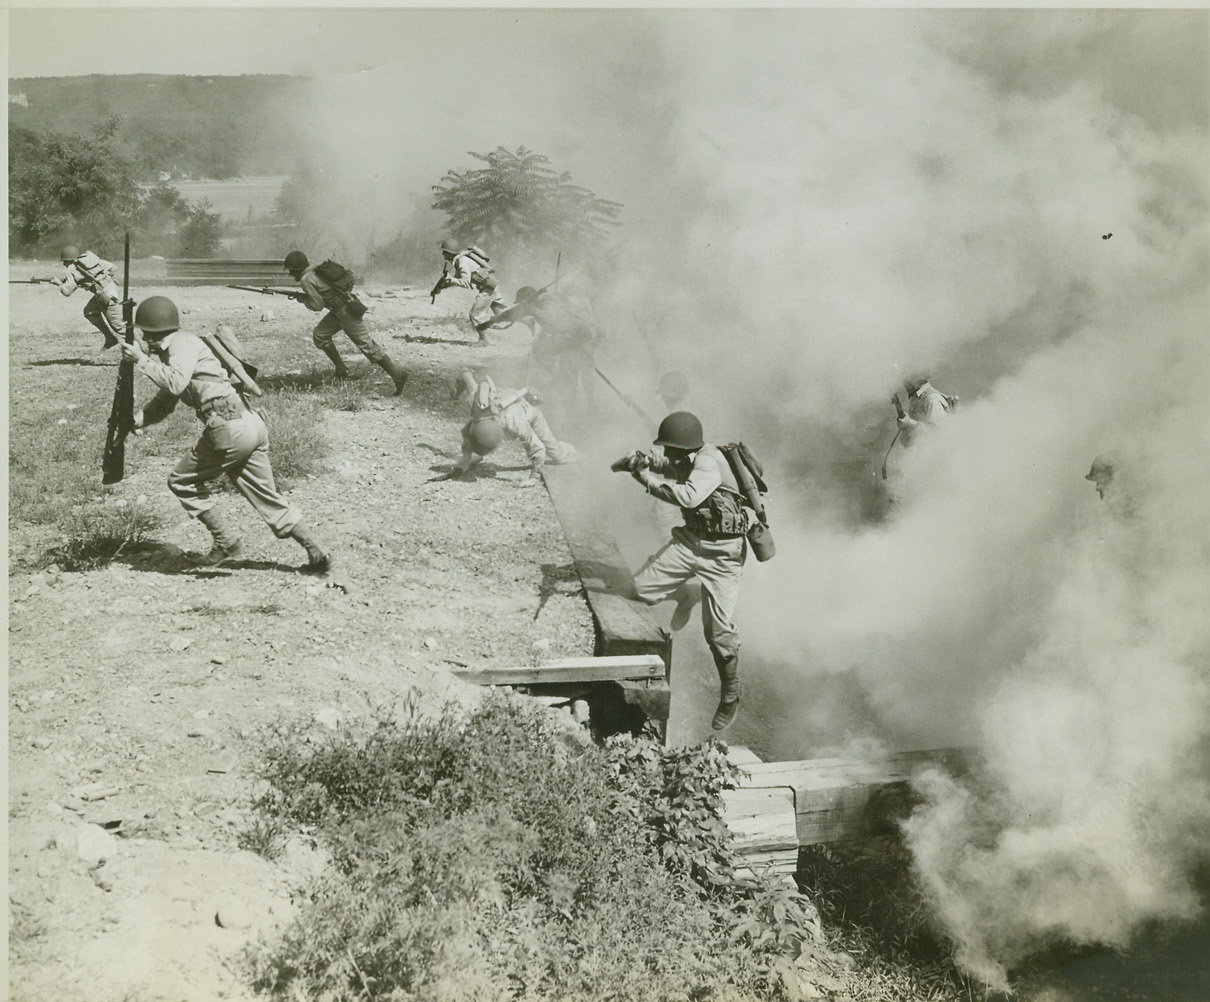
<point>587,669</point>
<point>623,625</point>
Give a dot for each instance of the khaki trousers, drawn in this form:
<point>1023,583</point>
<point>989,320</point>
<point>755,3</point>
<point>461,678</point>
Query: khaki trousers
<point>339,319</point>
<point>239,448</point>
<point>717,564</point>
<point>105,314</point>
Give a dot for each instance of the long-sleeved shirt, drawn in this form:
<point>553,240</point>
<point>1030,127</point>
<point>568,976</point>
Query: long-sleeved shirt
<point>91,273</point>
<point>460,270</point>
<point>318,294</point>
<point>511,408</point>
<point>183,368</point>
<point>925,408</point>
<point>709,472</point>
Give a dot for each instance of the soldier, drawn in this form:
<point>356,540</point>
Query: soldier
<point>926,407</point>
<point>95,275</point>
<point>567,335</point>
<point>1101,474</point>
<point>497,414</point>
<point>469,269</point>
<point>344,314</point>
<point>673,390</point>
<point>234,440</point>
<point>710,546</point>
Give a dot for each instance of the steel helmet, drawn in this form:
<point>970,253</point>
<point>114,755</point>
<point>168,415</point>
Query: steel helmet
<point>69,253</point>
<point>295,261</point>
<point>1102,467</point>
<point>527,294</point>
<point>487,282</point>
<point>157,314</point>
<point>450,246</point>
<point>673,384</point>
<point>680,430</point>
<point>483,435</point>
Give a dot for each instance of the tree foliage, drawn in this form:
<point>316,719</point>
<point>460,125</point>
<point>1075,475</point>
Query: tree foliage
<point>83,189</point>
<point>521,206</point>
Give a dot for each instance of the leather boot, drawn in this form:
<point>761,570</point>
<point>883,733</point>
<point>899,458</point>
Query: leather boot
<point>227,545</point>
<point>342,370</point>
<point>729,692</point>
<point>398,374</point>
<point>110,340</point>
<point>318,561</point>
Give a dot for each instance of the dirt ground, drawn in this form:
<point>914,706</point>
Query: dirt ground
<point>145,679</point>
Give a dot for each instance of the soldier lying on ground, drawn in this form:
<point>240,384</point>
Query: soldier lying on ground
<point>234,439</point>
<point>497,414</point>
<point>93,274</point>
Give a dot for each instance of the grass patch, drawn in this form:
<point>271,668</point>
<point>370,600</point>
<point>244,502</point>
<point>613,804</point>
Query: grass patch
<point>480,857</point>
<point>96,533</point>
<point>876,913</point>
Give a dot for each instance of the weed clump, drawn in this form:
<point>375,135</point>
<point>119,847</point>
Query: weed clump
<point>480,857</point>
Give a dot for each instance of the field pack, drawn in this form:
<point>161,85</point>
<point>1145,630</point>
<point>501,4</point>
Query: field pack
<point>342,281</point>
<point>750,475</point>
<point>477,255</point>
<point>227,348</point>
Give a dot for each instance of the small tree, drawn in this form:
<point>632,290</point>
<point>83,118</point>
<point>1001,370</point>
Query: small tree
<point>522,207</point>
<point>71,185</point>
<point>200,235</point>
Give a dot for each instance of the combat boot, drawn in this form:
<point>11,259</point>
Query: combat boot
<point>342,370</point>
<point>227,545</point>
<point>110,340</point>
<point>318,561</point>
<point>398,374</point>
<point>729,686</point>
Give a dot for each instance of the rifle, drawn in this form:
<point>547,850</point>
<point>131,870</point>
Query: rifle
<point>901,413</point>
<point>626,400</point>
<point>121,414</point>
<point>31,281</point>
<point>296,294</point>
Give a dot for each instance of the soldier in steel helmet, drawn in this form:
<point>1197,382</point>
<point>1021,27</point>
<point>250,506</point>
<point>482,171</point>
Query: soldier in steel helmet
<point>317,295</point>
<point>234,440</point>
<point>497,414</point>
<point>469,268</point>
<point>709,548</point>
<point>95,275</point>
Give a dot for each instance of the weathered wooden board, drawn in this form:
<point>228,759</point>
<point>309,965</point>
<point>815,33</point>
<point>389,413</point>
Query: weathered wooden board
<point>837,799</point>
<point>763,827</point>
<point>218,271</point>
<point>588,669</point>
<point>623,625</point>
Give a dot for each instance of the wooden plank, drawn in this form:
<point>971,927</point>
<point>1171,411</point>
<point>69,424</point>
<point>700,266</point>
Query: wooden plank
<point>837,798</point>
<point>764,829</point>
<point>623,625</point>
<point>593,669</point>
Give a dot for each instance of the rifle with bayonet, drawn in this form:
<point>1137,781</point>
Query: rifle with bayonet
<point>31,281</point>
<point>121,414</point>
<point>627,400</point>
<point>296,294</point>
<point>900,413</point>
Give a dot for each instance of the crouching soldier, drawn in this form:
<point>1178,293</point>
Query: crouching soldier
<point>710,547</point>
<point>497,414</point>
<point>95,275</point>
<point>345,312</point>
<point>234,439</point>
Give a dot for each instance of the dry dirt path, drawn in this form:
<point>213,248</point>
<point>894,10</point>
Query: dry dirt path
<point>147,679</point>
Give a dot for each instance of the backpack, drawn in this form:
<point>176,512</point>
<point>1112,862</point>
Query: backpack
<point>342,281</point>
<point>230,353</point>
<point>750,475</point>
<point>477,255</point>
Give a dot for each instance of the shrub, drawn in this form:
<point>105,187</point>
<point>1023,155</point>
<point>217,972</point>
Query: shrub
<point>297,444</point>
<point>478,856</point>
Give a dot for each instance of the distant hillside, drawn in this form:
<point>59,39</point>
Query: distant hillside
<point>202,127</point>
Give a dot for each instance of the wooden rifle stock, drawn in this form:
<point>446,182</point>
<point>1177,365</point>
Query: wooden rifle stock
<point>121,414</point>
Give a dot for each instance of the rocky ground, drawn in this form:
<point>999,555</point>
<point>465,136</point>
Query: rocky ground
<point>135,689</point>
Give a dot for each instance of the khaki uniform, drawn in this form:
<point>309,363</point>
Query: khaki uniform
<point>710,546</point>
<point>234,440</point>
<point>319,295</point>
<point>96,275</point>
<point>520,420</point>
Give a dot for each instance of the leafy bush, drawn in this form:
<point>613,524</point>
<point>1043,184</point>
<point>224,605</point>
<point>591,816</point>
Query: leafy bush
<point>522,207</point>
<point>484,856</point>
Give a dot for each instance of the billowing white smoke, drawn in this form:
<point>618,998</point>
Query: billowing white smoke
<point>891,192</point>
